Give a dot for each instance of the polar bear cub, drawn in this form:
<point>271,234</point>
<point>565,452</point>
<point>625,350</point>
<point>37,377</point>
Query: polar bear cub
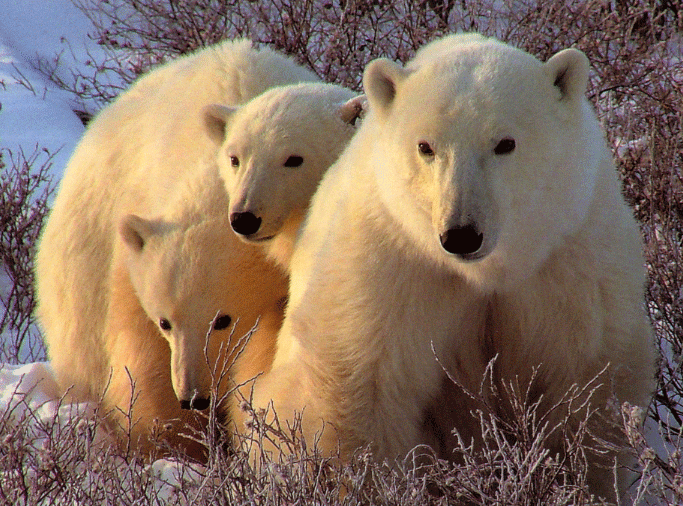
<point>272,172</point>
<point>193,312</point>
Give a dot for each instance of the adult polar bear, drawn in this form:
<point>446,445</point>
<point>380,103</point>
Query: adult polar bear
<point>478,212</point>
<point>133,151</point>
<point>125,261</point>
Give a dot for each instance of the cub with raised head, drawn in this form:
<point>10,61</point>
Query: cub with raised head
<point>273,152</point>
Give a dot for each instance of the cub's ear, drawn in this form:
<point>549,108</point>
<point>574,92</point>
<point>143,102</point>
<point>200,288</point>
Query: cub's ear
<point>353,109</point>
<point>216,117</point>
<point>568,70</point>
<point>135,231</point>
<point>380,81</point>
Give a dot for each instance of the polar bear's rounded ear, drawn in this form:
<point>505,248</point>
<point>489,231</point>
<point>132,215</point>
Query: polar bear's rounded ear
<point>216,117</point>
<point>135,231</point>
<point>568,70</point>
<point>380,81</point>
<point>353,109</point>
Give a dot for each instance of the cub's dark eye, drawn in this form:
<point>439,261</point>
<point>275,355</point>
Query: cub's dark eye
<point>505,146</point>
<point>294,161</point>
<point>234,161</point>
<point>425,149</point>
<point>164,324</point>
<point>222,322</point>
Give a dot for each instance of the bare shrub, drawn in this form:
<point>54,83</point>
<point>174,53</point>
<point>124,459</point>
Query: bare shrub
<point>529,454</point>
<point>335,39</point>
<point>25,186</point>
<point>62,456</point>
<point>56,456</point>
<point>661,473</point>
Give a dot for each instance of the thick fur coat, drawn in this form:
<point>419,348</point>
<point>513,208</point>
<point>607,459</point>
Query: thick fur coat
<point>476,214</point>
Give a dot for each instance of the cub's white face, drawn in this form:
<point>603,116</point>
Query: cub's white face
<point>276,149</point>
<point>201,289</point>
<point>485,156</point>
<point>173,270</point>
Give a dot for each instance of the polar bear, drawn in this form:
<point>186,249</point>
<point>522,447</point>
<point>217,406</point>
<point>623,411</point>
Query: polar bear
<point>135,152</point>
<point>272,173</point>
<point>476,214</point>
<point>187,294</point>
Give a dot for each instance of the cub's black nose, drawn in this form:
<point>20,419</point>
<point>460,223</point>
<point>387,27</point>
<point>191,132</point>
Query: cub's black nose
<point>198,403</point>
<point>462,241</point>
<point>245,223</point>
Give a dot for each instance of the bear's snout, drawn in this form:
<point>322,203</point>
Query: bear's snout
<point>198,403</point>
<point>462,241</point>
<point>245,223</point>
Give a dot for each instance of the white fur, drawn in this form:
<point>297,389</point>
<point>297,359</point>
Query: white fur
<point>311,121</point>
<point>557,283</point>
<point>135,156</point>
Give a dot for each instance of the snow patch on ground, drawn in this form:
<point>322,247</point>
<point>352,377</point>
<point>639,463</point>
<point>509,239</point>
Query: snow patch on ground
<point>30,397</point>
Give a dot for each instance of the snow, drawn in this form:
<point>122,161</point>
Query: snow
<point>30,395</point>
<point>34,113</point>
<point>32,382</point>
<point>48,34</point>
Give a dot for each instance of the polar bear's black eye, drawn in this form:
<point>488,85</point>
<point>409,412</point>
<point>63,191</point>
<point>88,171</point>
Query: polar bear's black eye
<point>505,146</point>
<point>164,324</point>
<point>234,161</point>
<point>425,149</point>
<point>222,322</point>
<point>294,161</point>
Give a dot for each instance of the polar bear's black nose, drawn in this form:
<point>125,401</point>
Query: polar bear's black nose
<point>462,241</point>
<point>245,223</point>
<point>199,403</point>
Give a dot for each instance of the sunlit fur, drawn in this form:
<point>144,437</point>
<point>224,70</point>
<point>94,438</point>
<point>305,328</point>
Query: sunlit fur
<point>190,269</point>
<point>132,157</point>
<point>559,284</point>
<point>313,121</point>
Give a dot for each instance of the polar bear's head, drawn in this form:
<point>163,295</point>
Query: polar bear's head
<point>484,155</point>
<point>276,148</point>
<point>199,285</point>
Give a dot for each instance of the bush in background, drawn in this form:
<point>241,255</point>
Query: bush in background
<point>25,186</point>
